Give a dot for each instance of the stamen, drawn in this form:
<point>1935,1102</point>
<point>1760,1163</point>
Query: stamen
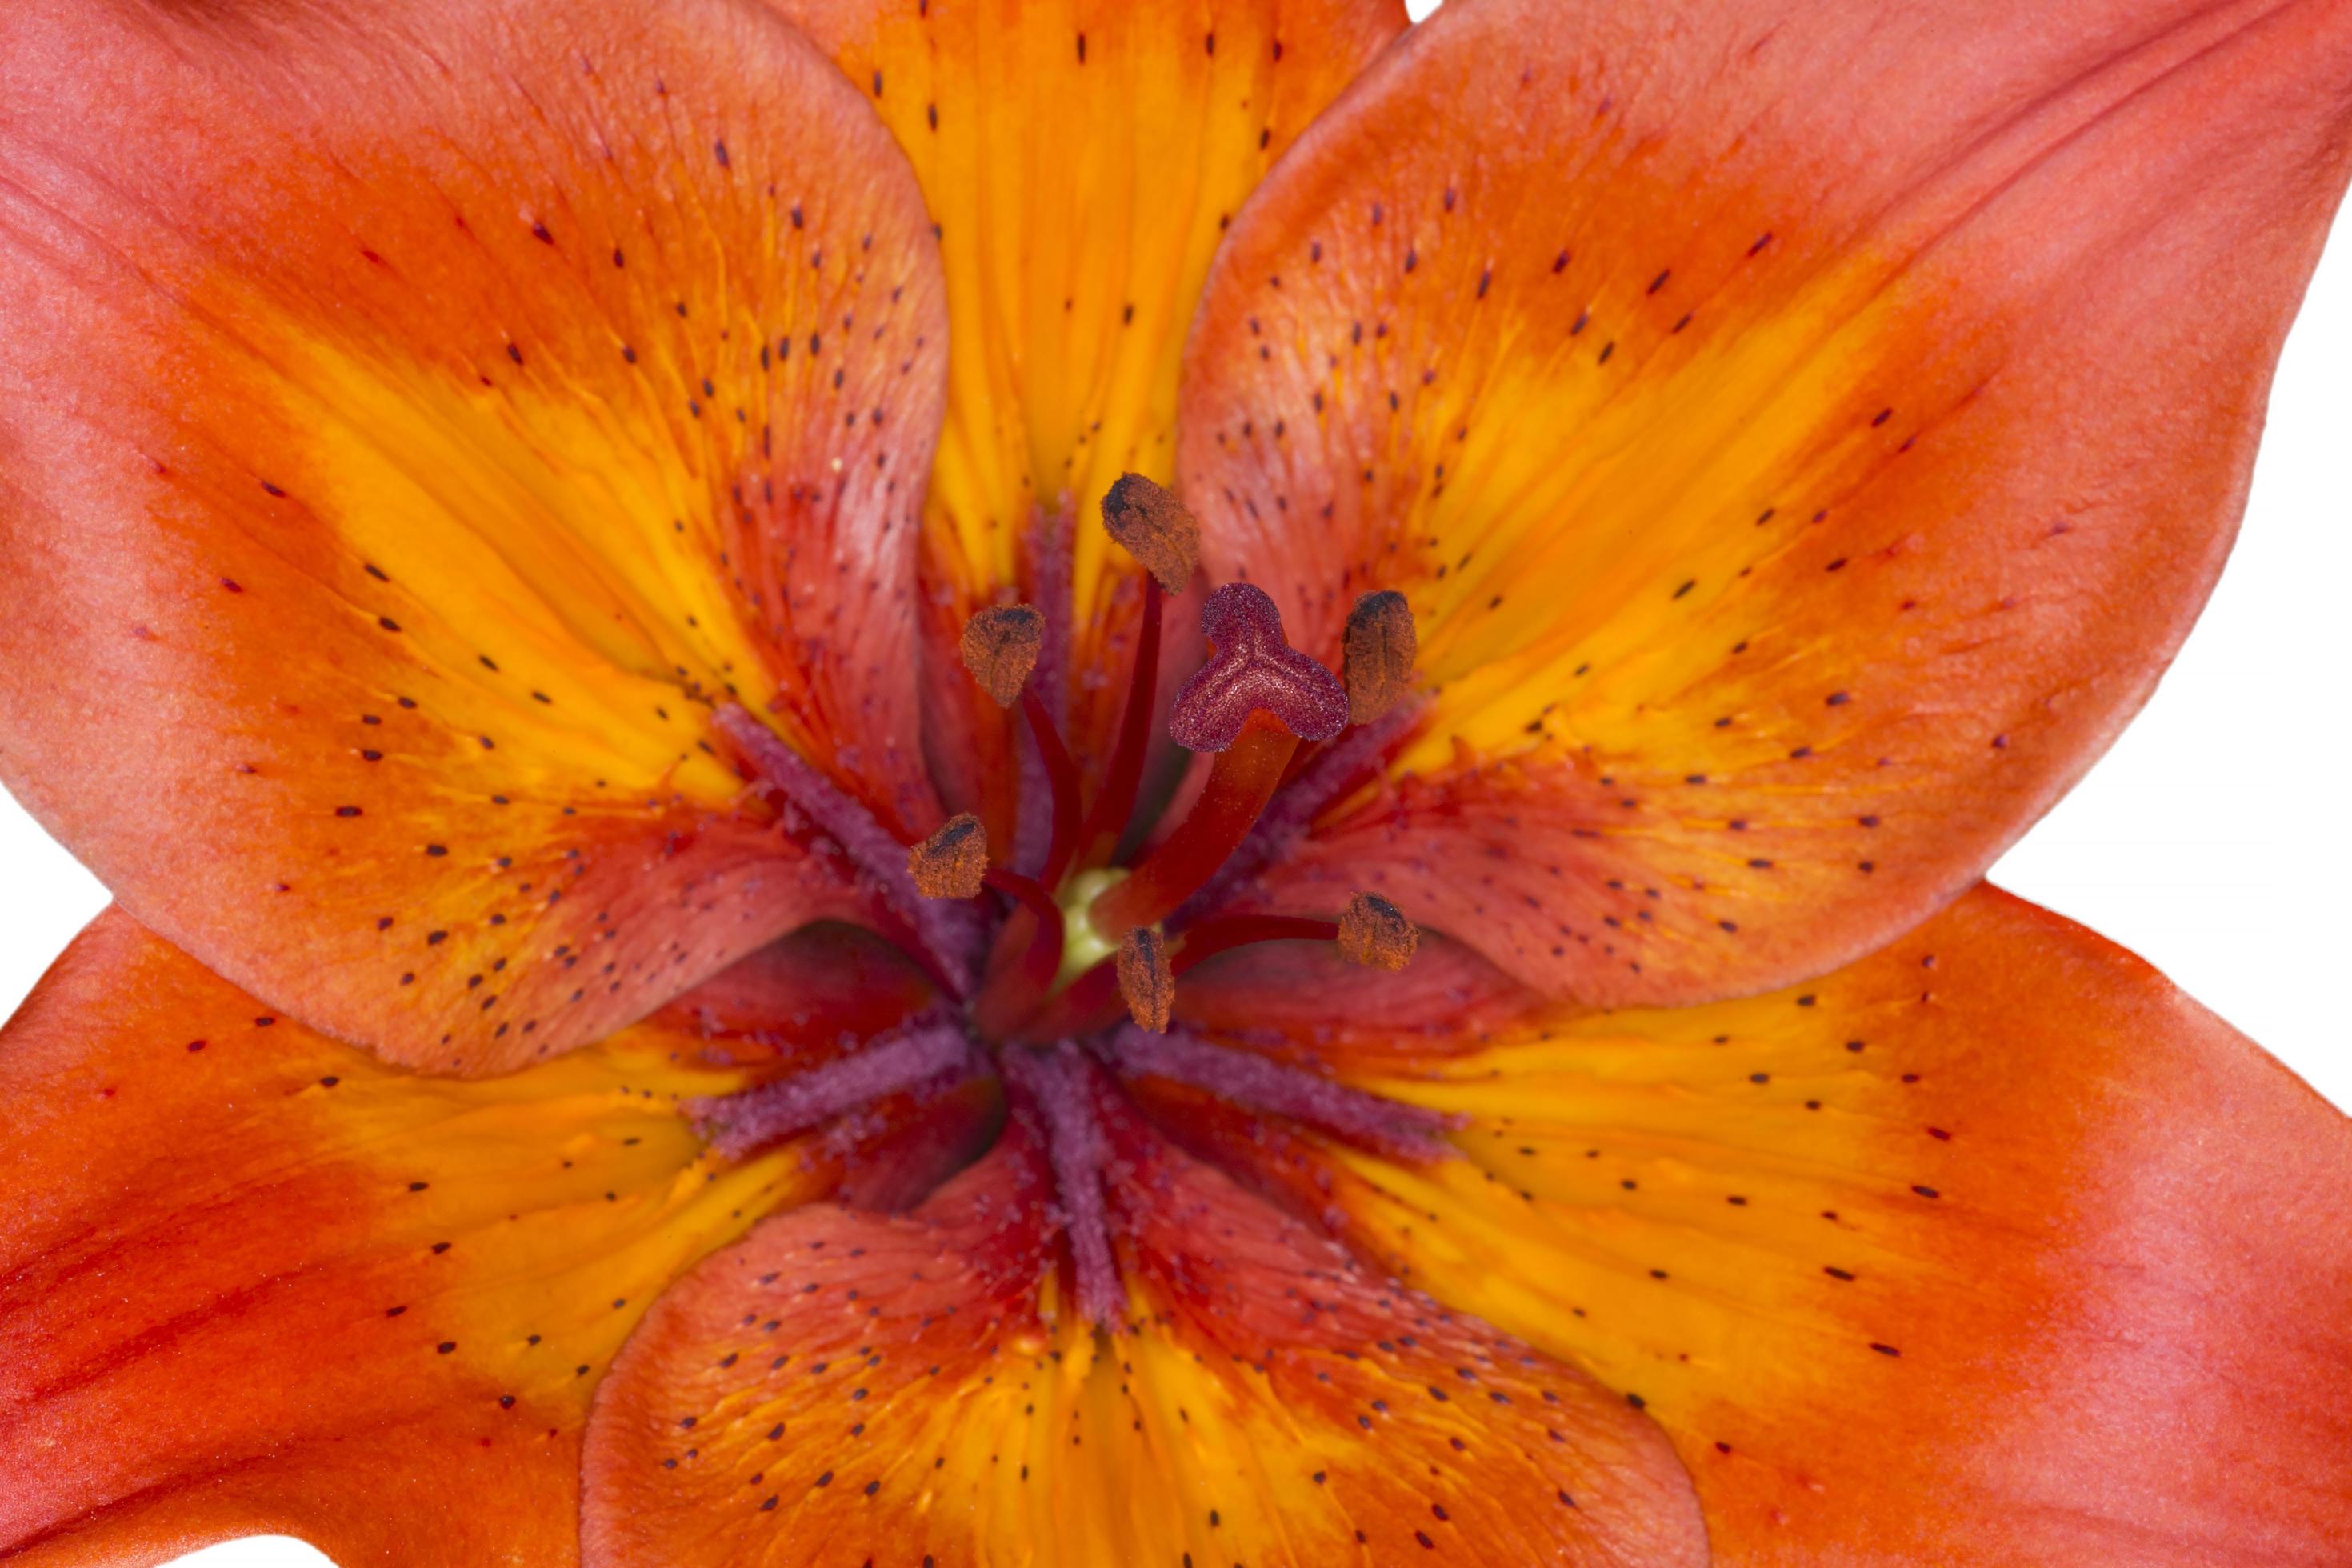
<point>1253,668</point>
<point>1000,648</point>
<point>948,933</point>
<point>1057,1080</point>
<point>1375,933</point>
<point>1246,1078</point>
<point>953,862</point>
<point>905,1057</point>
<point>1146,981</point>
<point>1380,648</point>
<point>1155,527</point>
<point>1372,932</point>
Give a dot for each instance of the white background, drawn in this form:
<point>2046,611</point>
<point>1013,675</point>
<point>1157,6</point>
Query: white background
<point>2215,839</point>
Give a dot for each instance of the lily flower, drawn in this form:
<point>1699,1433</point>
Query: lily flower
<point>708,970</point>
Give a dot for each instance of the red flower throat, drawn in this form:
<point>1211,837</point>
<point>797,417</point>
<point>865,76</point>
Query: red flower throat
<point>1070,973</point>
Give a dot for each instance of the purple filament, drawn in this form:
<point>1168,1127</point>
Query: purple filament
<point>906,1058</point>
<point>1055,1079</point>
<point>1261,1083</point>
<point>949,930</point>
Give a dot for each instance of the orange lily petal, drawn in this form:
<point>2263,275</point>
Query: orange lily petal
<point>252,1280</point>
<point>1803,434</point>
<point>1991,1248</point>
<point>413,429</point>
<point>840,1386</point>
<point>1082,158</point>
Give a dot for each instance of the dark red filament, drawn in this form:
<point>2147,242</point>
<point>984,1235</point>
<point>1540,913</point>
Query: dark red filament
<point>1016,985</point>
<point>1112,809</point>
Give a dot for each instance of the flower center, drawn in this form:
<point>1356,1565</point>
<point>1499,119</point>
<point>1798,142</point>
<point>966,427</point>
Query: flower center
<point>1072,973</point>
<point>1083,943</point>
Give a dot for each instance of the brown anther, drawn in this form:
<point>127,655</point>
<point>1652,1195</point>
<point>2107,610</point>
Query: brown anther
<point>1000,648</point>
<point>950,863</point>
<point>1155,527</point>
<point>1380,649</point>
<point>1145,982</point>
<point>1375,933</point>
